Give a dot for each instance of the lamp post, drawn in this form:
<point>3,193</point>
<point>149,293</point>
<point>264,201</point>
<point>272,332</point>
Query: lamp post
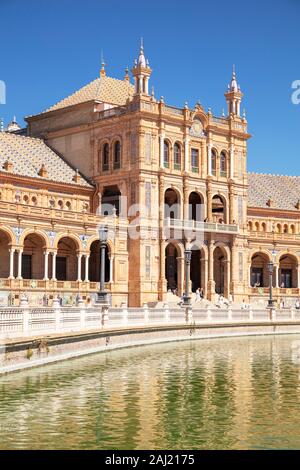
<point>102,294</point>
<point>187,261</point>
<point>271,300</point>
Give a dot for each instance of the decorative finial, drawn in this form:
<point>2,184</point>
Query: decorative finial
<point>223,112</point>
<point>152,91</point>
<point>244,113</point>
<point>209,111</point>
<point>102,71</point>
<point>233,70</point>
<point>142,44</point>
<point>1,125</point>
<point>126,74</point>
<point>186,106</point>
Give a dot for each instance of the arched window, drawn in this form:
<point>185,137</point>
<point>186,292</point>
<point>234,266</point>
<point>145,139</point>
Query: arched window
<point>177,157</point>
<point>166,154</point>
<point>213,162</point>
<point>117,155</point>
<point>195,160</point>
<point>223,166</point>
<point>105,157</point>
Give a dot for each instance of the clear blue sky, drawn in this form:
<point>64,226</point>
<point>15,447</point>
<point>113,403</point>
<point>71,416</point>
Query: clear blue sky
<point>50,48</point>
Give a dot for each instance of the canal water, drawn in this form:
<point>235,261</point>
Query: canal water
<point>235,393</point>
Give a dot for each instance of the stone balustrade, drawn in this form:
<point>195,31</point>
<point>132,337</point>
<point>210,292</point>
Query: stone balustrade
<point>28,322</point>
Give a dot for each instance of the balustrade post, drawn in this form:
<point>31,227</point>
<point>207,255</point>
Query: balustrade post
<point>292,313</point>
<point>124,313</point>
<point>57,313</point>
<point>209,317</point>
<point>79,256</point>
<point>53,266</point>
<point>81,305</point>
<point>250,313</point>
<point>104,316</point>
<point>25,311</point>
<point>167,313</point>
<point>146,313</point>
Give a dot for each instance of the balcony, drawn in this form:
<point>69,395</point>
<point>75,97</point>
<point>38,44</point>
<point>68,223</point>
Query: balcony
<point>50,285</point>
<point>200,226</point>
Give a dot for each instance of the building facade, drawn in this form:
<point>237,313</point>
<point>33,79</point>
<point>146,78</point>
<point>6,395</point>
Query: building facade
<point>162,178</point>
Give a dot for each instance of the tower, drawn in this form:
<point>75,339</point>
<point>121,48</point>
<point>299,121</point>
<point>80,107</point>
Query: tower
<point>233,96</point>
<point>141,73</point>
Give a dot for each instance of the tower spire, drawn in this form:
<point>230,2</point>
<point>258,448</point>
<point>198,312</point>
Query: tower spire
<point>233,95</point>
<point>102,71</point>
<point>141,72</point>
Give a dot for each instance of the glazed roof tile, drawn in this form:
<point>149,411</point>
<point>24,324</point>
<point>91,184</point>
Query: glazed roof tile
<point>284,191</point>
<point>28,154</point>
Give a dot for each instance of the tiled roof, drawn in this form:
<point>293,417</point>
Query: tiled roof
<point>28,154</point>
<point>284,191</point>
<point>104,89</point>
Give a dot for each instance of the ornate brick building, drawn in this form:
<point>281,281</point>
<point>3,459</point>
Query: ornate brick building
<point>160,177</point>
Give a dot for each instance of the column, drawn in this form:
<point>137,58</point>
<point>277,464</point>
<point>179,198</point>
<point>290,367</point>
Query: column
<point>209,201</point>
<point>185,200</point>
<point>79,256</point>
<point>46,266</point>
<point>11,263</point>
<point>53,266</point>
<point>186,154</point>
<point>276,275</point>
<point>20,264</point>
<point>298,272</point>
<point>111,269</point>
<point>209,170</point>
<point>250,275</point>
<point>87,260</point>
<point>211,282</point>
<point>231,161</point>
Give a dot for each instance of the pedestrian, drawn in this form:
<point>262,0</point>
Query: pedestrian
<point>297,304</point>
<point>198,298</point>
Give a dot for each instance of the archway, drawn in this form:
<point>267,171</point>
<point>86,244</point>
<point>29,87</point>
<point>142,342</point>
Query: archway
<point>110,201</point>
<point>288,272</point>
<point>172,204</point>
<point>33,259</point>
<point>197,272</point>
<point>171,267</point>
<point>259,276</point>
<point>196,207</point>
<point>66,260</point>
<point>218,209</point>
<point>4,255</point>
<point>95,262</point>
<point>221,271</point>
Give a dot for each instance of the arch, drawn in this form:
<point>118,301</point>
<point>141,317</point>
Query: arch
<point>278,228</point>
<point>66,258</point>
<point>197,271</point>
<point>250,225</point>
<point>172,203</point>
<point>95,262</point>
<point>38,232</point>
<point>223,164</point>
<point>110,200</point>
<point>220,271</point>
<point>259,274</point>
<point>196,206</point>
<point>288,271</point>
<point>73,236</point>
<point>285,228</point>
<point>172,268</point>
<point>167,147</point>
<point>117,154</point>
<point>256,226</point>
<point>33,260</point>
<point>177,156</point>
<point>5,242</point>
<point>264,227</point>
<point>105,156</point>
<point>219,208</point>
<point>214,156</point>
<point>292,229</point>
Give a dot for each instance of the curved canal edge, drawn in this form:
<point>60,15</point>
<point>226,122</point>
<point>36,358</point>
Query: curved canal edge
<point>25,353</point>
